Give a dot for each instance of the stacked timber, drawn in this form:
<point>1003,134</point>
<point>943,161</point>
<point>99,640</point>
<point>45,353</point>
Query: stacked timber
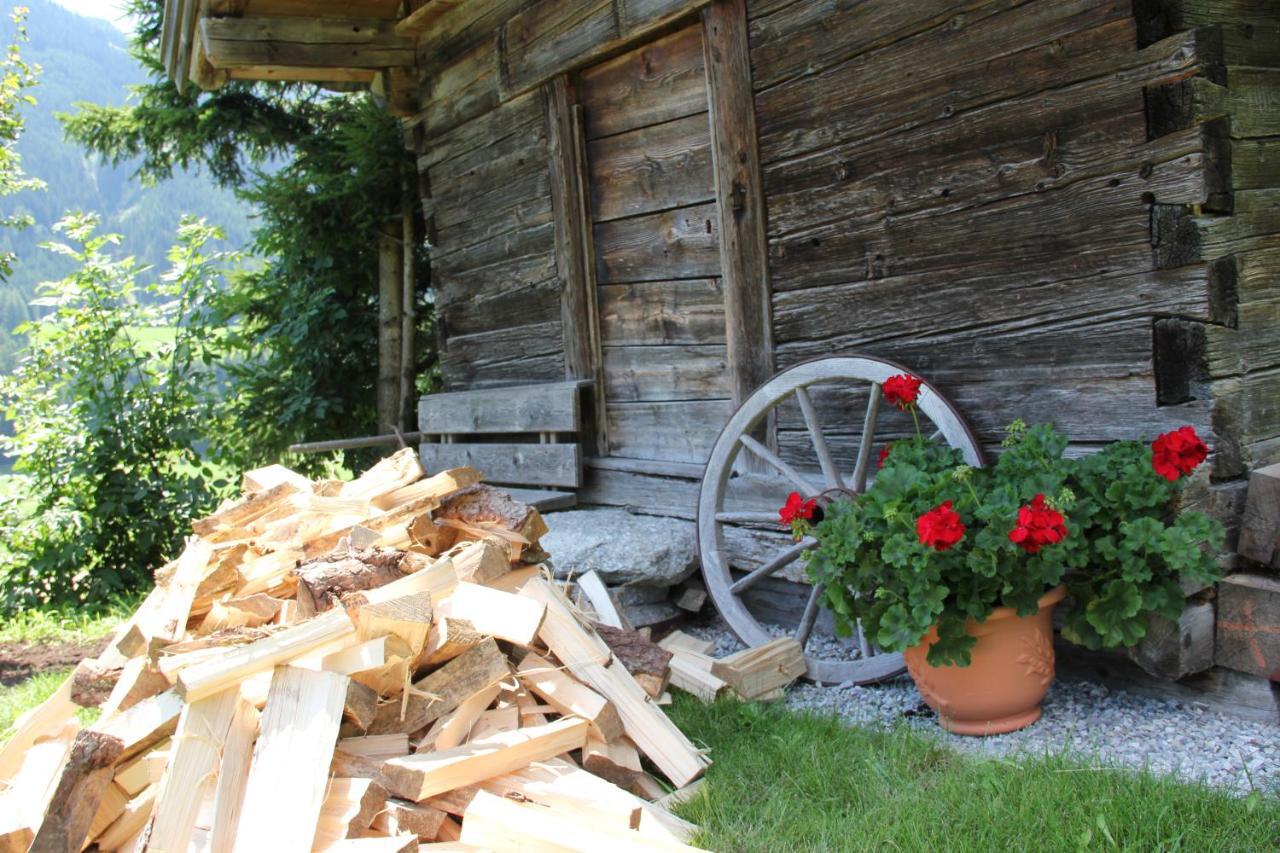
<point>367,665</point>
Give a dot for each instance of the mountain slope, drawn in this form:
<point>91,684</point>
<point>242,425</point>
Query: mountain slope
<point>84,59</point>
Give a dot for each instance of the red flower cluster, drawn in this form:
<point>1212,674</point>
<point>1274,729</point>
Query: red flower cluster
<point>1177,453</point>
<point>884,455</point>
<point>940,528</point>
<point>902,390</point>
<point>796,508</point>
<point>1038,525</point>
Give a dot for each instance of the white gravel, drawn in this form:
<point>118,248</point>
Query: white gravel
<point>1096,724</point>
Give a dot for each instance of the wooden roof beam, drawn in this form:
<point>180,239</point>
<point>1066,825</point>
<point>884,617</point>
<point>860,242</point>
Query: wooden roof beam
<point>327,45</point>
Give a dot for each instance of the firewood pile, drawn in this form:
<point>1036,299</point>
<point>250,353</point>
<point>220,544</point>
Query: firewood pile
<point>372,665</point>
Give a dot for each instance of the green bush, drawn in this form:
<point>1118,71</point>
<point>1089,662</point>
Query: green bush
<point>110,405</point>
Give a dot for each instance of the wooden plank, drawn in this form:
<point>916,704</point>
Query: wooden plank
<point>680,243</point>
<point>657,82</point>
<point>755,672</point>
<point>416,777</point>
<point>545,500</point>
<point>740,198</point>
<point>550,407</point>
<point>664,373</point>
<point>689,311</point>
<point>551,36</point>
<point>578,322</point>
<point>651,168</point>
<point>305,42</point>
<point>478,137</point>
<point>290,768</point>
<point>677,431</point>
<point>425,17</point>
<point>533,464</point>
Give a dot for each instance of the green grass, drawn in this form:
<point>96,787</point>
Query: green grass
<point>14,700</point>
<point>66,624</point>
<point>782,781</point>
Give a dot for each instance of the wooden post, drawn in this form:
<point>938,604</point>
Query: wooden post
<point>390,308</point>
<point>739,197</point>
<point>408,308</point>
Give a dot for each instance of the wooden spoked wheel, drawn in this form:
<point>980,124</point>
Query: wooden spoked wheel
<point>853,378</point>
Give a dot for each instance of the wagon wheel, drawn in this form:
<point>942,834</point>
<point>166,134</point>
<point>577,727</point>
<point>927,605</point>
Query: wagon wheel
<point>729,590</point>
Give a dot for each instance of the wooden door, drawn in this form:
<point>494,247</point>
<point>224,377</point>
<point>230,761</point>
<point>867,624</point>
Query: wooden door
<point>655,233</point>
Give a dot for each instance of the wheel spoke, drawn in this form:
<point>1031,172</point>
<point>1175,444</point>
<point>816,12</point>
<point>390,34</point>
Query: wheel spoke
<point>937,434</point>
<point>810,617</point>
<point>863,645</point>
<point>868,440</point>
<point>747,517</point>
<point>787,557</point>
<point>806,488</point>
<point>829,470</point>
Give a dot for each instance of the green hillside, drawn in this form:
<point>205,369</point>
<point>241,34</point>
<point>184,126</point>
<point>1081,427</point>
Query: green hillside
<point>84,59</point>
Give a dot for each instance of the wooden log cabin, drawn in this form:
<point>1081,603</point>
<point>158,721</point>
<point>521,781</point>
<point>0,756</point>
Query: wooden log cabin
<point>638,210</point>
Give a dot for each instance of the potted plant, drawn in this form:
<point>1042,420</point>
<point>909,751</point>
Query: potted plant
<point>959,568</point>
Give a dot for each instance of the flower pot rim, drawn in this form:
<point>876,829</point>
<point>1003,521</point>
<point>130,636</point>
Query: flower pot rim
<point>1049,599</point>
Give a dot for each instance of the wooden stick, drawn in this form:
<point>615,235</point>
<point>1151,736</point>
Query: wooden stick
<point>568,696</point>
<point>228,798</point>
<point>499,614</point>
<point>442,690</point>
<point>78,792</point>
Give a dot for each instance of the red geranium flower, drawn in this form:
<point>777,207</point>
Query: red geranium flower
<point>884,455</point>
<point>1038,525</point>
<point>796,508</point>
<point>940,528</point>
<point>902,390</point>
<point>1177,453</point>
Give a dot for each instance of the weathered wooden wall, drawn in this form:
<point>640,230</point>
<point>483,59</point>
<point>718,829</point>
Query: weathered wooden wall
<point>1056,210</point>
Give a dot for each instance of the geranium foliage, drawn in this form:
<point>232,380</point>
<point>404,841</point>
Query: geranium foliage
<point>934,541</point>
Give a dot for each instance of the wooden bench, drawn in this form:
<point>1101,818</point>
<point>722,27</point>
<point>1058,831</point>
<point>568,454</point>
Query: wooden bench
<point>524,436</point>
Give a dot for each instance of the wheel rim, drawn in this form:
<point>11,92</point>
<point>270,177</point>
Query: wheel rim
<point>729,590</point>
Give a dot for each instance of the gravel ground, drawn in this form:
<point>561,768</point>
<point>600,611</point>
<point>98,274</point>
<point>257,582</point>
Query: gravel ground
<point>1099,724</point>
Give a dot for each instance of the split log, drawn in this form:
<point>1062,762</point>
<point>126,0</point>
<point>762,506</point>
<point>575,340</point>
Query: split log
<point>680,640</point>
<point>647,662</point>
<point>447,639</point>
<point>416,777</point>
<point>617,760</point>
<point>290,766</point>
<point>484,505</point>
<point>376,746</point>
<point>569,696</point>
<point>481,562</point>
<point>607,609</point>
<point>443,690</point>
<point>753,673</point>
<point>496,613</point>
<point>361,705</point>
<point>130,824</point>
<point>323,582</point>
<point>79,790</point>
<point>691,672</point>
<point>400,816</point>
<point>408,618</point>
<point>349,808</point>
<point>93,681</point>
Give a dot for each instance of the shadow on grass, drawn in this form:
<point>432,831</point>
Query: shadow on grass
<point>788,781</point>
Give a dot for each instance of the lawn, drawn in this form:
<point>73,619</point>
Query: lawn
<point>786,781</point>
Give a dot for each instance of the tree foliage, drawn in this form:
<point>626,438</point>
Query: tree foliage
<point>112,404</point>
<point>325,170</point>
<point>17,78</point>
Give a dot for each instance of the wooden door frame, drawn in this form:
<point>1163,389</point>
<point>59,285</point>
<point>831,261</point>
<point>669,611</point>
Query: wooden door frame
<point>740,212</point>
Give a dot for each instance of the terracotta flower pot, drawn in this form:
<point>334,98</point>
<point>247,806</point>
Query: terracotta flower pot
<point>1012,668</point>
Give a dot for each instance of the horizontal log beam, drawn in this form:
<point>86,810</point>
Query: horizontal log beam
<point>240,43</point>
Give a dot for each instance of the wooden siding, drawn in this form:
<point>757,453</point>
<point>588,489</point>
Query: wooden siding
<point>967,189</point>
